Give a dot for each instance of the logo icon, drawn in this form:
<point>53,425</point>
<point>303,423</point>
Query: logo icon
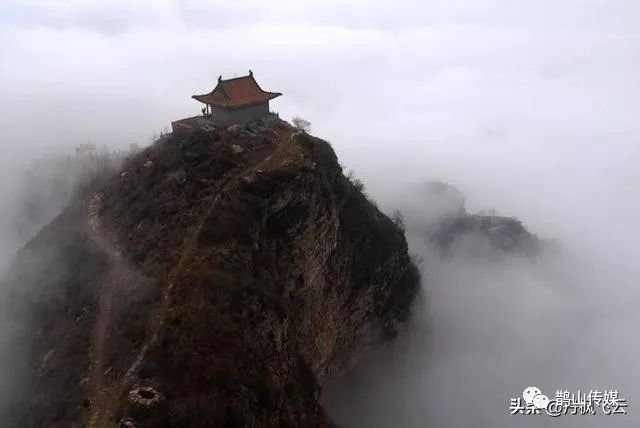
<point>533,395</point>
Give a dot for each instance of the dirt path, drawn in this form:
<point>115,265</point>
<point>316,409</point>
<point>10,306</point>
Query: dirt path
<point>117,275</point>
<point>105,395</point>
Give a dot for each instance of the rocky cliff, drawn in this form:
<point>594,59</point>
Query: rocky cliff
<point>218,280</point>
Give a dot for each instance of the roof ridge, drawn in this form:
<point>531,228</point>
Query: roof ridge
<point>237,78</point>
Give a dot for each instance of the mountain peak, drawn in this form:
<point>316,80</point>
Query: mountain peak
<point>218,279</point>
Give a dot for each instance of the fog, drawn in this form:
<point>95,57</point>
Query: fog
<point>529,108</point>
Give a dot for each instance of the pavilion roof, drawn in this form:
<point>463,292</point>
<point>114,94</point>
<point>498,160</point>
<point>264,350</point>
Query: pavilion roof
<point>236,93</point>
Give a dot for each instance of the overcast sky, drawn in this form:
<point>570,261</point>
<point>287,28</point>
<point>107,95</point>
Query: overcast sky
<point>531,107</point>
<point>449,82</point>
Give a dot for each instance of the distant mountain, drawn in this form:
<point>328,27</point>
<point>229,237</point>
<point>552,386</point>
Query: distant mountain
<point>438,214</point>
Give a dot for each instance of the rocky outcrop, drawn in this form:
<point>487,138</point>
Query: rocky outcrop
<point>485,235</point>
<point>437,214</point>
<point>219,279</point>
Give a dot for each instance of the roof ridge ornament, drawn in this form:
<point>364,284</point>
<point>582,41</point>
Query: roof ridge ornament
<point>220,78</point>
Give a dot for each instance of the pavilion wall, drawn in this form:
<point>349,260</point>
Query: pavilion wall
<point>240,116</point>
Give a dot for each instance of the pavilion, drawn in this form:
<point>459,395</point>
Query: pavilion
<point>236,101</point>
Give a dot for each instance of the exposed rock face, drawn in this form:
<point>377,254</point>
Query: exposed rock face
<point>205,286</point>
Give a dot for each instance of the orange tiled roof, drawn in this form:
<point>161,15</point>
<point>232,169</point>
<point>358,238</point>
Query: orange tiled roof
<point>236,93</point>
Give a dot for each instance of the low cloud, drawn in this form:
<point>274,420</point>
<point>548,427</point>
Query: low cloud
<point>529,108</point>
